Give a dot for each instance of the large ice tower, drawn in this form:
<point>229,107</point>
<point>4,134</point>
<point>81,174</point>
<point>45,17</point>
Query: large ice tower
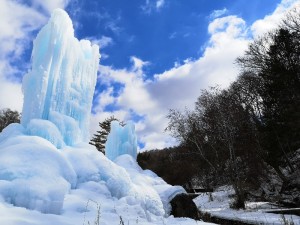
<point>60,85</point>
<point>36,175</point>
<point>121,140</point>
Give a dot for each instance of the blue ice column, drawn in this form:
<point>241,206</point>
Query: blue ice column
<point>121,140</point>
<point>59,87</point>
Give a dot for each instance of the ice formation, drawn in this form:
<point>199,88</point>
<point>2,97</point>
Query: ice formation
<point>60,86</point>
<point>46,163</point>
<point>121,140</point>
<point>33,173</point>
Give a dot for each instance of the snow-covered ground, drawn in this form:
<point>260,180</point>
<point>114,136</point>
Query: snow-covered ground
<point>43,185</point>
<point>255,213</point>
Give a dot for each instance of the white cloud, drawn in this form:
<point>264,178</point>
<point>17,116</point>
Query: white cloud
<point>17,22</point>
<point>138,64</point>
<point>272,20</point>
<point>135,98</point>
<point>50,5</point>
<point>103,42</point>
<point>233,26</point>
<point>160,3</point>
<point>179,86</point>
<point>134,95</point>
<point>104,99</point>
<point>112,25</point>
<point>218,13</point>
<point>11,94</point>
<point>152,5</point>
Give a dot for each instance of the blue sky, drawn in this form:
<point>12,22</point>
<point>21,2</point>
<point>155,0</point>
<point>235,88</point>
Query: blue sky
<point>161,34</point>
<point>155,54</point>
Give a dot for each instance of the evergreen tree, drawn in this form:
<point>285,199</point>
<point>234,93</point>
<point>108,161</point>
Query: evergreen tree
<point>100,137</point>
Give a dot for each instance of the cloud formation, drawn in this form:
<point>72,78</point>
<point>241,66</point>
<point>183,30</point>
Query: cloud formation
<point>176,88</point>
<point>179,87</point>
<point>103,42</point>
<point>159,4</point>
<point>271,21</point>
<point>50,5</point>
<point>218,13</point>
<point>17,23</point>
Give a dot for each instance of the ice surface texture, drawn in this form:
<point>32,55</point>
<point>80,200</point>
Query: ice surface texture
<point>121,140</point>
<point>33,173</point>
<point>60,86</point>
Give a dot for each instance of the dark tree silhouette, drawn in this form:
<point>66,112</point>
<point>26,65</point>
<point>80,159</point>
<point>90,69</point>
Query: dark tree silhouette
<point>275,59</point>
<point>99,139</point>
<point>7,116</point>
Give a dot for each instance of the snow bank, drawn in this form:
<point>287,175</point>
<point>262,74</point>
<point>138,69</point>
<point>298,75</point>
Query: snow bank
<point>220,207</point>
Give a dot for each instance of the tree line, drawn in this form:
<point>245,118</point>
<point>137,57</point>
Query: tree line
<point>249,130</point>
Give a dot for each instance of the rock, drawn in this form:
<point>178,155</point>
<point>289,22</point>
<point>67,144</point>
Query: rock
<point>183,206</point>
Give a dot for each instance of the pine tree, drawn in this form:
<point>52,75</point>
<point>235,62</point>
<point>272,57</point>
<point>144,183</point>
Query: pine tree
<point>100,137</point>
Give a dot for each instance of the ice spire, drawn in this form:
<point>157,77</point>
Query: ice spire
<point>121,140</point>
<point>60,85</point>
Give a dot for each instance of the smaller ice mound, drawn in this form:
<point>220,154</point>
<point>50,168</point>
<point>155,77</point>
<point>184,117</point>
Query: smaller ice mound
<point>121,140</point>
<point>33,173</point>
